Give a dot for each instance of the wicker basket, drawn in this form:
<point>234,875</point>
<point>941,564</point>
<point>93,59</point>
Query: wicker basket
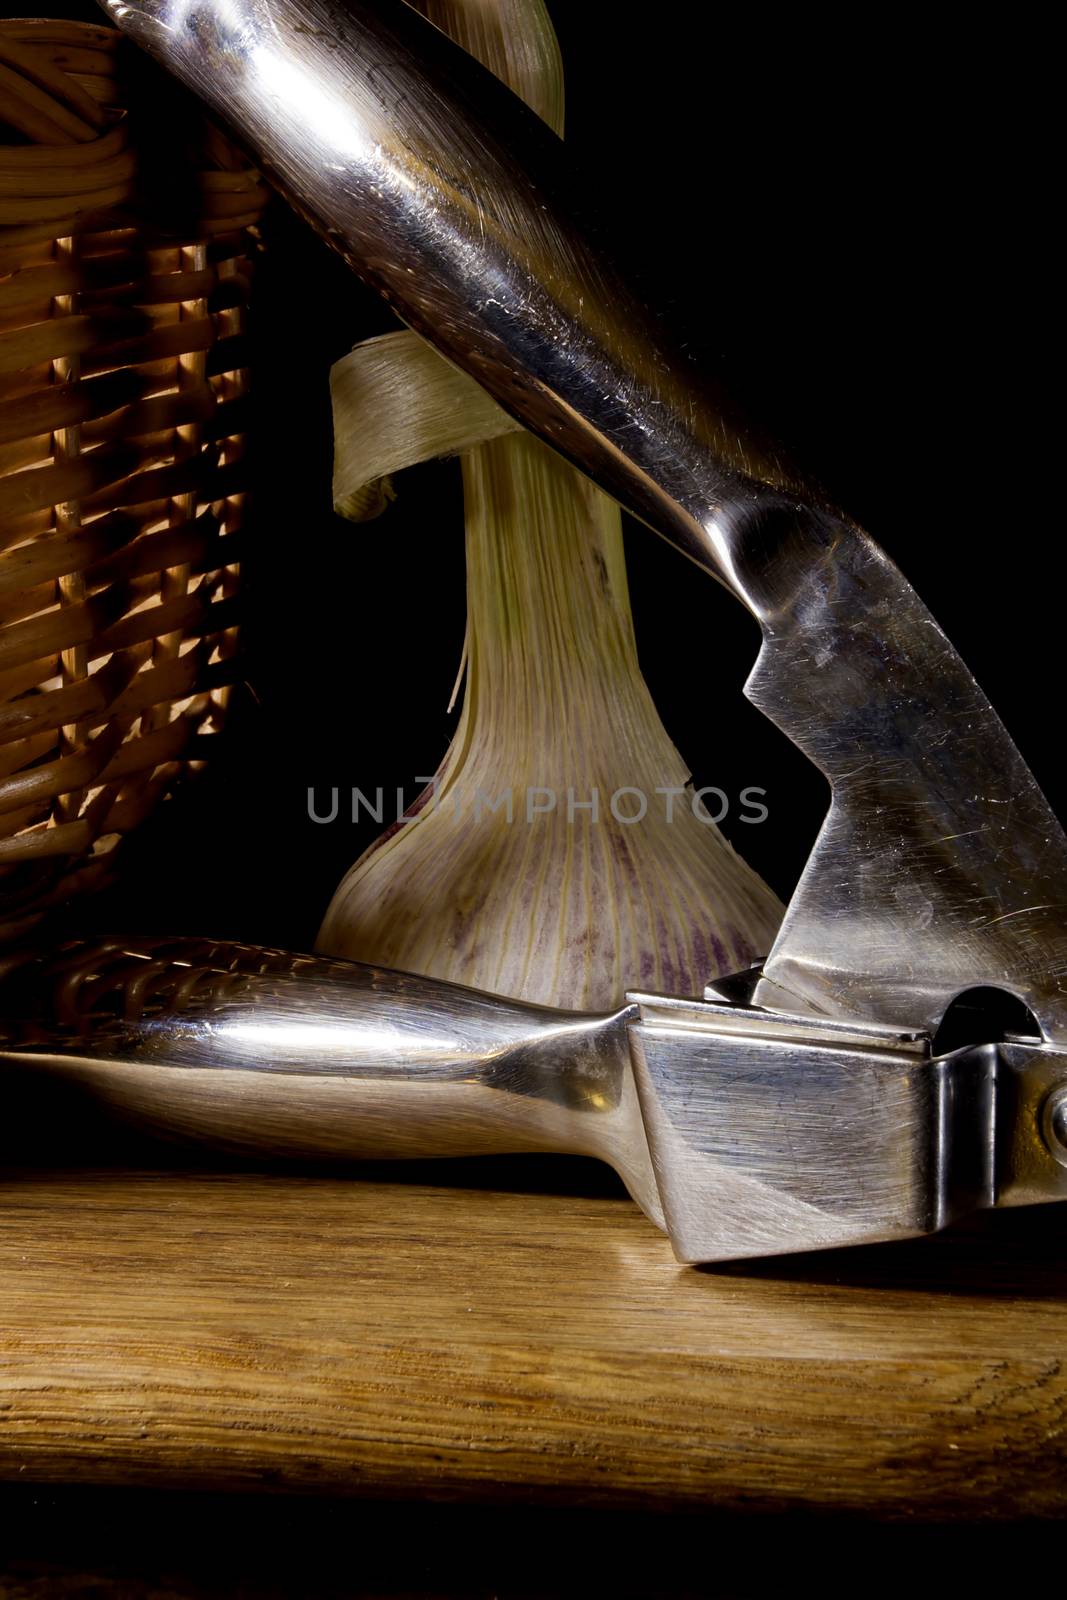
<point>121,479</point>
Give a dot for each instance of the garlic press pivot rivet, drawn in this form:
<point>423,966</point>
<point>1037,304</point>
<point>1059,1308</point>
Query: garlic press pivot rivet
<point>1054,1124</point>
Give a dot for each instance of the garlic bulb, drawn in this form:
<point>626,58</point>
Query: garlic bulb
<point>560,857</point>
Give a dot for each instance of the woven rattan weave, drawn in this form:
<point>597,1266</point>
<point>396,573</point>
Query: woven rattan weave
<point>122,418</point>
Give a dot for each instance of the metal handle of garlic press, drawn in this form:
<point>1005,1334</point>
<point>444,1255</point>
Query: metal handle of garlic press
<point>939,866</point>
<point>260,1051</point>
<point>740,1131</point>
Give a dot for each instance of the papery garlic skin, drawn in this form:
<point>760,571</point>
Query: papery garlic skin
<point>558,907</point>
<point>561,906</point>
<point>397,402</point>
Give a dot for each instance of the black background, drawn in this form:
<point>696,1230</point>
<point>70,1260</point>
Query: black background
<point>849,225</point>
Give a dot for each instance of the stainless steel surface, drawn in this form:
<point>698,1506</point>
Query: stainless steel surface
<point>772,1133</point>
<point>1031,1161</point>
<point>796,1107</point>
<point>747,1021</point>
<point>258,1050</point>
<point>806,1146</point>
<point>742,1132</point>
<point>1054,1124</point>
<point>940,866</point>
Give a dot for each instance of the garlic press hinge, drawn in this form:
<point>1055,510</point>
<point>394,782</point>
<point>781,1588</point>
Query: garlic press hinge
<point>773,1132</point>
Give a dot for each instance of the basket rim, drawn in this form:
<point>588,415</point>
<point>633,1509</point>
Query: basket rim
<point>60,28</point>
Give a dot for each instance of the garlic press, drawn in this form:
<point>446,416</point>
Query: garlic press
<point>900,1056</point>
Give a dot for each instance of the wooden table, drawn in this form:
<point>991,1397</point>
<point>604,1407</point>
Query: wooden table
<point>209,1330</point>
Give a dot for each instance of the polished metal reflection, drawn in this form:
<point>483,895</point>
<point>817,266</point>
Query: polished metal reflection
<point>743,1132</point>
<point>773,1133</point>
<point>258,1050</point>
<point>806,1144</point>
<point>1054,1124</point>
<point>940,866</point>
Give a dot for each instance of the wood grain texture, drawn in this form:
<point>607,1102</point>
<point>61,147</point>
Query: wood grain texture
<point>240,1330</point>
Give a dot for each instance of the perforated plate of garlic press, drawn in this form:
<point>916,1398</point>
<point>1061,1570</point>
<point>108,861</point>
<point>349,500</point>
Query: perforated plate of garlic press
<point>797,1106</point>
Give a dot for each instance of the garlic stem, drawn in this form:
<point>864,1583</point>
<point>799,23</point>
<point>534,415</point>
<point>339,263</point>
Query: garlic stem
<point>397,402</point>
<point>560,858</point>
